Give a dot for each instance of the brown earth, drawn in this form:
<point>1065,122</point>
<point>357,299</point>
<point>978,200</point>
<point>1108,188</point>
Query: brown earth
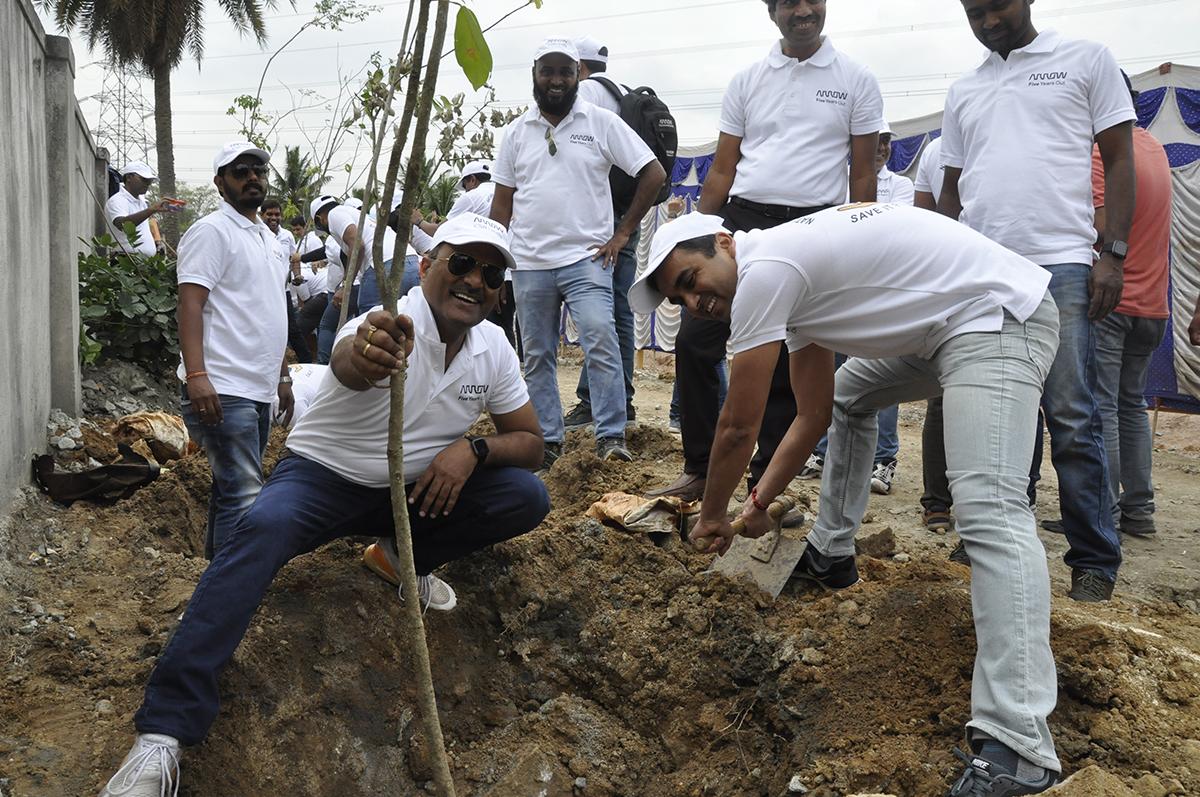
<point>585,660</point>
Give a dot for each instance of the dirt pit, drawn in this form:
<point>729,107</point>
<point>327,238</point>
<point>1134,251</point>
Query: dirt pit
<point>581,660</point>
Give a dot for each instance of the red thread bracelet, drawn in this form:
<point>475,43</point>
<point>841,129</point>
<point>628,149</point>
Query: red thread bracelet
<point>761,507</point>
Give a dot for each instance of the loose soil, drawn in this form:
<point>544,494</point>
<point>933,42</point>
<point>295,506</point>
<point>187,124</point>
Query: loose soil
<point>583,660</point>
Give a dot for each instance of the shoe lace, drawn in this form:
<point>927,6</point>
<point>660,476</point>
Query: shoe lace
<point>975,781</point>
<point>167,759</point>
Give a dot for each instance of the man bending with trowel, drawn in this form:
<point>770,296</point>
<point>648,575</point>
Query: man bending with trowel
<point>464,493</point>
<point>925,306</point>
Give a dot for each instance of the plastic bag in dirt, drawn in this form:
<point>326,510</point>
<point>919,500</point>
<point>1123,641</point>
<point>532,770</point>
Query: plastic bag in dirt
<point>165,434</point>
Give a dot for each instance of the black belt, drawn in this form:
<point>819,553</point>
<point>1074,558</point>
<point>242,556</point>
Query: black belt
<point>776,211</point>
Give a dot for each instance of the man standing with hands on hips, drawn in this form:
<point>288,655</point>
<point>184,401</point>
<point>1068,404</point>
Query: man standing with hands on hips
<point>232,335</point>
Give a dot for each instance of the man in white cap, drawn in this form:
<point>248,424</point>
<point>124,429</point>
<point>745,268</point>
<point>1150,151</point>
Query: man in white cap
<point>562,149</point>
<point>602,90</point>
<point>232,335</point>
<point>129,206</point>
<point>923,305</point>
<point>466,493</point>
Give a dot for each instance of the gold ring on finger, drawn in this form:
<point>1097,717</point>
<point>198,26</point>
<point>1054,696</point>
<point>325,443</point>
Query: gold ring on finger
<point>365,347</point>
<point>371,330</point>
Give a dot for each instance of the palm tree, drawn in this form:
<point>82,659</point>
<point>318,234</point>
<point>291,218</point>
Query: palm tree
<point>153,35</point>
<point>299,181</point>
<point>438,196</point>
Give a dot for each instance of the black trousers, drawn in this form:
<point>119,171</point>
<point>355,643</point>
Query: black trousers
<point>700,345</point>
<point>295,337</point>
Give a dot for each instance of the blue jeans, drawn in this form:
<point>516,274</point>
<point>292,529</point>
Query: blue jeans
<point>1076,434</point>
<point>887,441</point>
<point>234,448</point>
<point>623,275</point>
<point>587,290</point>
<point>303,506</point>
<point>368,292</point>
<point>1124,345</point>
<point>991,383</point>
<point>328,328</point>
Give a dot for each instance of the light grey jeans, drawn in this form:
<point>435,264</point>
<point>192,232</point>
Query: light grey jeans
<point>991,384</point>
<point>1124,346</point>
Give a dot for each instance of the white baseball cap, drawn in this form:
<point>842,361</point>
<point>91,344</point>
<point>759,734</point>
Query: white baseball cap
<point>471,228</point>
<point>590,49</point>
<point>319,204</point>
<point>234,149</point>
<point>557,44</point>
<point>140,169</point>
<point>353,202</point>
<point>885,130</point>
<point>643,298</point>
<point>473,168</point>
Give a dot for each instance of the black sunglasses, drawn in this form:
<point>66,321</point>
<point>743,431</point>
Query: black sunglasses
<point>242,170</point>
<point>462,264</point>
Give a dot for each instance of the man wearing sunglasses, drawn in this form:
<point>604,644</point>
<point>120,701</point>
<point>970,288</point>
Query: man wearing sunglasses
<point>465,493</point>
<point>232,335</point>
<point>552,191</point>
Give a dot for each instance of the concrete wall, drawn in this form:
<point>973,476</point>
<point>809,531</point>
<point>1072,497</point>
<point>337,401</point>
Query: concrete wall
<point>49,182</point>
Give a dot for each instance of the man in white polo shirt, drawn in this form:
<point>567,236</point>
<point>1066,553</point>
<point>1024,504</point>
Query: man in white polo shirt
<point>552,188</point>
<point>1017,137</point>
<point>466,493</point>
<point>789,124</point>
<point>928,185</point>
<point>604,91</point>
<point>922,305</point>
<point>129,206</point>
<point>232,336</point>
<point>272,215</point>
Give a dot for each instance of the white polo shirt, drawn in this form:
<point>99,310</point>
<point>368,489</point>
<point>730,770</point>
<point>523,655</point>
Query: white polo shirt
<point>931,170</point>
<point>309,243</point>
<point>1021,130</point>
<point>477,200</point>
<point>872,280</point>
<point>893,188</point>
<point>563,206</point>
<point>597,94</point>
<point>245,317</point>
<point>318,281</point>
<point>795,120</point>
<point>123,204</point>
<point>347,430</point>
<point>306,378</point>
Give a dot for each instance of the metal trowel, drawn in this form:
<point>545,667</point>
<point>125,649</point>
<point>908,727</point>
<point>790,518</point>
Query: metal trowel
<point>769,560</point>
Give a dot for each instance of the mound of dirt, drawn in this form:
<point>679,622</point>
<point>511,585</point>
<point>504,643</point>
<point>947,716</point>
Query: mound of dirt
<point>581,660</point>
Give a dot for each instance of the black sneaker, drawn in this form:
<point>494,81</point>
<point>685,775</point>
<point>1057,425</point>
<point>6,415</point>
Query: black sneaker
<point>612,449</point>
<point>959,555</point>
<point>981,778</point>
<point>1054,526</point>
<point>1090,586</point>
<point>579,416</point>
<point>550,454</point>
<point>1137,527</point>
<point>630,415</point>
<point>830,572</point>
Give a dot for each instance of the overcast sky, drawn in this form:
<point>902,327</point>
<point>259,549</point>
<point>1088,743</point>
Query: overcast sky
<point>686,51</point>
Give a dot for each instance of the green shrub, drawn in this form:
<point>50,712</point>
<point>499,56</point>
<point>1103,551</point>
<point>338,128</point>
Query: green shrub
<point>127,306</point>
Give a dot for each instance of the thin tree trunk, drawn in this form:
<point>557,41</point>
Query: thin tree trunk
<point>389,286</point>
<point>164,143</point>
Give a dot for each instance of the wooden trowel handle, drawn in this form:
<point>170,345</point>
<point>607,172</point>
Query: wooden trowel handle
<point>775,511</point>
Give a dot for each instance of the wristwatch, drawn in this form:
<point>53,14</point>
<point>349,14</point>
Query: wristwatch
<point>1118,249</point>
<point>286,379</point>
<point>479,448</point>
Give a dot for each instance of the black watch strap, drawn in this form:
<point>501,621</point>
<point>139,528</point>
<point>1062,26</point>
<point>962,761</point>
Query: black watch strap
<point>1118,249</point>
<point>480,448</point>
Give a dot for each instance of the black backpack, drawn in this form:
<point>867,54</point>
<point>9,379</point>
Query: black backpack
<point>650,118</point>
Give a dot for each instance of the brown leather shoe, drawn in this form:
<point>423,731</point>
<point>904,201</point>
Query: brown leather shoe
<point>689,487</point>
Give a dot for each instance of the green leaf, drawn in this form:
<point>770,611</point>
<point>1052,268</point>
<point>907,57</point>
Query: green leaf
<point>471,49</point>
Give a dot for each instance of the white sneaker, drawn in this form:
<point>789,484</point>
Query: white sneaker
<point>812,469</point>
<point>150,770</point>
<point>434,593</point>
<point>881,477</point>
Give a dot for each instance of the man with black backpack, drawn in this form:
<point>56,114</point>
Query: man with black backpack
<point>648,116</point>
